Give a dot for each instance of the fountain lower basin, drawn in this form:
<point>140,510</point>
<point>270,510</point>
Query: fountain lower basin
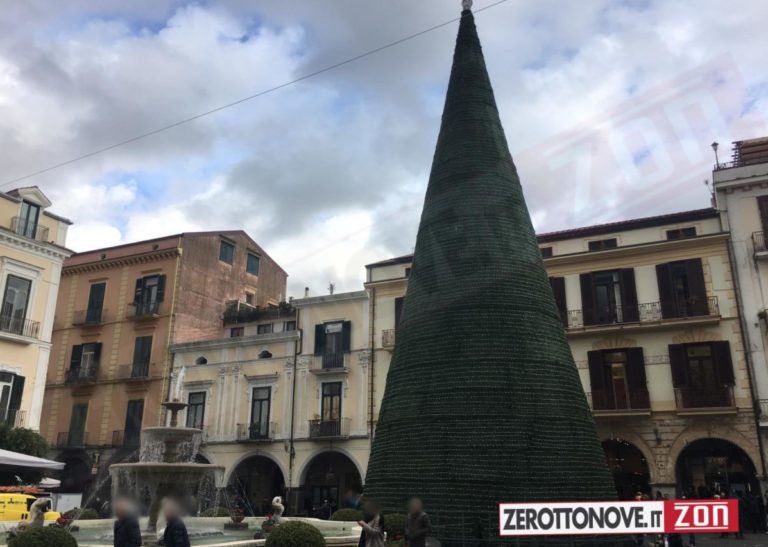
<point>210,532</point>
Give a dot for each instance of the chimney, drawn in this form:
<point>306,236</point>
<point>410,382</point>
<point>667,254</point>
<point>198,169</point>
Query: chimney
<point>306,292</point>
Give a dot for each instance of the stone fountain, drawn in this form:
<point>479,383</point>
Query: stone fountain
<point>167,468</point>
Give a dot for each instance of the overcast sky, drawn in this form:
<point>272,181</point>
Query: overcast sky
<point>609,109</point>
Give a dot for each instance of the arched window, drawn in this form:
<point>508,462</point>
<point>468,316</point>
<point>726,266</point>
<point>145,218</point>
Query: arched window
<point>201,361</point>
<point>265,355</point>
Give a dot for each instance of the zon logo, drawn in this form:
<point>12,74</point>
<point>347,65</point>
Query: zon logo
<point>702,516</point>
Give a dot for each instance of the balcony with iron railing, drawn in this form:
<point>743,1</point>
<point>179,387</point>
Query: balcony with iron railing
<point>29,229</point>
<point>759,247</point>
<point>129,438</point>
<point>329,363</point>
<point>142,310</point>
<point>258,432</point>
<point>16,326</point>
<point>89,317</point>
<point>712,399</point>
<point>388,338</point>
<point>72,439</point>
<point>13,417</point>
<point>82,375</point>
<point>135,371</point>
<point>646,313</point>
<point>607,403</point>
<point>329,429</point>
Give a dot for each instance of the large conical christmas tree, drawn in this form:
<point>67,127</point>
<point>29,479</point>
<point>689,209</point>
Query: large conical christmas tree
<point>483,402</point>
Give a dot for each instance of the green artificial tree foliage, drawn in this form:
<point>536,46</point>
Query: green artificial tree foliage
<point>483,402</point>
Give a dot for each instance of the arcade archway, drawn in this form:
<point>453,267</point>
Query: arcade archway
<point>327,476</point>
<point>253,484</point>
<point>629,468</point>
<point>708,466</point>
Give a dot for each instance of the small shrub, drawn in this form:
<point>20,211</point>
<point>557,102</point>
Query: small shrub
<point>295,534</point>
<point>347,515</point>
<point>47,536</point>
<point>394,525</point>
<point>87,514</point>
<point>215,512</point>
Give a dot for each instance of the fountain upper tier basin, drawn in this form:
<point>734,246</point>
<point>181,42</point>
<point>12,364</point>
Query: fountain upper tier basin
<point>169,444</point>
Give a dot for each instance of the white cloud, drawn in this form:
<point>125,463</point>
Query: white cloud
<point>345,155</point>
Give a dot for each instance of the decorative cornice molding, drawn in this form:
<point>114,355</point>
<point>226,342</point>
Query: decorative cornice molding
<point>47,250</point>
<point>109,264</point>
<point>262,377</point>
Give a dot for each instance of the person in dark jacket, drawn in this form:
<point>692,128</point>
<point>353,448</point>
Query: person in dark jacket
<point>417,526</point>
<point>175,534</point>
<point>127,532</point>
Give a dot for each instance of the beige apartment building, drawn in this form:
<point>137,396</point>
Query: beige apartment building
<point>652,318</point>
<point>32,251</point>
<point>283,397</point>
<point>741,188</point>
<point>119,310</point>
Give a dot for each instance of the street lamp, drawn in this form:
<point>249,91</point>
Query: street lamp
<point>715,146</point>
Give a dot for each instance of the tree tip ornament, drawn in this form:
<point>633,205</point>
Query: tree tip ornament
<point>466,4</point>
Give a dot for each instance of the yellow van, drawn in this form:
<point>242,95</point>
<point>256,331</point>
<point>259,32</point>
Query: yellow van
<point>15,507</point>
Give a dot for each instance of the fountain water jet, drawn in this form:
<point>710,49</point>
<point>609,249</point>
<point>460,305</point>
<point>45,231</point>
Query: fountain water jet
<point>166,467</point>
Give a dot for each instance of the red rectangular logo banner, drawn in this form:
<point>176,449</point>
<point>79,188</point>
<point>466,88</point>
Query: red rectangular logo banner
<point>681,516</point>
<point>618,517</point>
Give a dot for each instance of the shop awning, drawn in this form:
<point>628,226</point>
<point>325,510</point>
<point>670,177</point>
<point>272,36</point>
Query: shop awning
<point>15,459</point>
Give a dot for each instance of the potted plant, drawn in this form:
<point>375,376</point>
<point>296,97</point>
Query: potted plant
<point>237,515</point>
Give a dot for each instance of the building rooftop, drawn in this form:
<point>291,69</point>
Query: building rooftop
<point>596,229</point>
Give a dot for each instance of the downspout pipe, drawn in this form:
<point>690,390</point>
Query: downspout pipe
<point>297,348</point>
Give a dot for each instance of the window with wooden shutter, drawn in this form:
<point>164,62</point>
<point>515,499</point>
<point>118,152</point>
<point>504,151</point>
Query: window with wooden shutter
<point>721,355</point>
<point>160,288</point>
<point>558,290</point>
<point>14,401</point>
<point>637,384</point>
<point>587,299</point>
<point>666,294</point>
<point>95,302</point>
<point>346,336</point>
<point>630,311</point>
<point>678,362</point>
<point>762,206</point>
<point>697,292</point>
<point>319,339</point>
<point>398,310</point>
<point>597,379</point>
<point>76,357</point>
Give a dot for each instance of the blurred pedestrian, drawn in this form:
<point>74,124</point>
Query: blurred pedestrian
<point>175,534</point>
<point>417,526</point>
<point>372,525</point>
<point>127,531</point>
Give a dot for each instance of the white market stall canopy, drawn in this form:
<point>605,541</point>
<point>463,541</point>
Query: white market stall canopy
<point>15,459</point>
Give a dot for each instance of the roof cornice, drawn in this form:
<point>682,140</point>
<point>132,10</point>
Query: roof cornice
<point>109,264</point>
<point>49,250</point>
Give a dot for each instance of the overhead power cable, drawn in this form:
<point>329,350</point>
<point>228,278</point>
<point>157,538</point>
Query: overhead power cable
<point>239,101</point>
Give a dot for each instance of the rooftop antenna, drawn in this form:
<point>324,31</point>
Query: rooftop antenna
<point>715,145</point>
<point>331,287</point>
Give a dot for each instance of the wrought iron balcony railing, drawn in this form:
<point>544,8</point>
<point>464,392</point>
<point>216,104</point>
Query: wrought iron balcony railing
<point>82,375</point>
<point>94,316</point>
<point>388,338</point>
<point>607,400</point>
<point>256,432</point>
<point>126,437</point>
<point>758,242</point>
<point>329,429</point>
<point>708,397</point>
<point>29,229</point>
<point>135,371</point>
<point>646,313</point>
<point>142,310</point>
<point>72,439</point>
<point>13,417</point>
<point>20,327</point>
<point>332,360</point>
